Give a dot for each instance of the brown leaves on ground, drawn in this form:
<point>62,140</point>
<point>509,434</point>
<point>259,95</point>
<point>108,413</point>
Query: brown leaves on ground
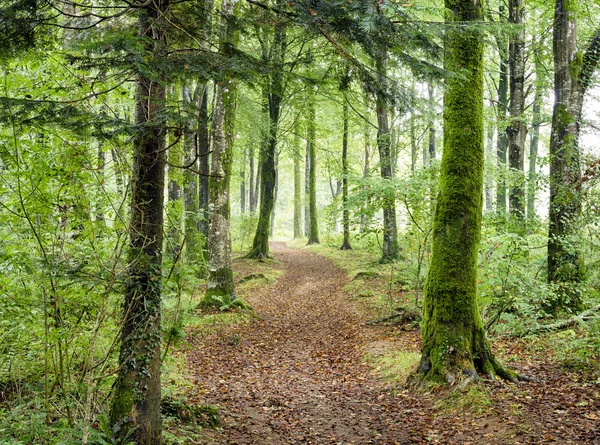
<point>295,375</point>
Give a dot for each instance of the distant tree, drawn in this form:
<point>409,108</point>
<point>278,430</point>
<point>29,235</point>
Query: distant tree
<point>275,86</point>
<point>517,129</point>
<point>311,139</point>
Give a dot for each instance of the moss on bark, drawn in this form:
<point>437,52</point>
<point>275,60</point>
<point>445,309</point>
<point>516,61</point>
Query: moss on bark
<point>454,343</point>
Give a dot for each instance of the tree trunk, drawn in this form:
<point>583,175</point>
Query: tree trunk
<point>275,190</point>
<point>190,178</point>
<point>517,130</point>
<point>573,71</point>
<point>306,190</point>
<point>489,202</point>
<point>174,195</point>
<point>135,410</point>
<point>260,245</point>
<point>432,146</point>
<point>100,202</point>
<point>346,213</point>
<point>535,139</point>
<point>364,217</point>
<point>297,183</point>
<point>251,199</point>
<point>203,162</point>
<point>257,182</point>
<point>219,285</point>
<point>454,343</point>
<point>501,110</point>
<point>243,183</point>
<point>390,232</point>
<point>311,137</point>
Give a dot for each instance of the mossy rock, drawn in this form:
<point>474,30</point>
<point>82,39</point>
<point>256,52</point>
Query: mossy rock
<point>213,302</point>
<point>186,412</point>
<point>255,276</point>
<point>365,293</point>
<point>366,275</point>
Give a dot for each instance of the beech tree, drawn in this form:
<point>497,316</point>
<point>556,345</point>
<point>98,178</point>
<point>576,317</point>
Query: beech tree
<point>573,70</point>
<point>220,286</point>
<point>274,94</point>
<point>517,130</point>
<point>454,341</point>
<point>311,148</point>
<point>384,145</point>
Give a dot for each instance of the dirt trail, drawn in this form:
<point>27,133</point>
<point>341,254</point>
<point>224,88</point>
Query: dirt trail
<point>294,376</point>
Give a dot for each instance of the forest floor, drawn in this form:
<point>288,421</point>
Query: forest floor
<point>304,370</point>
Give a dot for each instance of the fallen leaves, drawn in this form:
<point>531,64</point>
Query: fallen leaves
<point>296,377</point>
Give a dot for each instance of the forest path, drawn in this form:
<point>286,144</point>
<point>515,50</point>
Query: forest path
<point>295,376</point>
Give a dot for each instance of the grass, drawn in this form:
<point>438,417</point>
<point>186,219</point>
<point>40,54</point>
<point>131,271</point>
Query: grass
<point>474,399</point>
<point>394,367</point>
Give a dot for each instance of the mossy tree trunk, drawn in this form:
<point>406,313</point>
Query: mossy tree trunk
<point>390,231</point>
<point>345,213</point>
<point>297,182</point>
<point>135,409</point>
<point>219,285</point>
<point>260,245</point>
<point>517,130</point>
<point>454,342</point>
<point>573,71</point>
<point>307,190</point>
<point>311,137</point>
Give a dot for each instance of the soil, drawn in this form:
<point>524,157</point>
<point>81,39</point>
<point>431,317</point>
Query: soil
<point>296,375</point>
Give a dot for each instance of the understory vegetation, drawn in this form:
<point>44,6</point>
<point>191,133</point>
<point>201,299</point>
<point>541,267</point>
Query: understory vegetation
<point>422,175</point>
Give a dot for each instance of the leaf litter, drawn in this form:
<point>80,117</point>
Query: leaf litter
<point>296,375</point>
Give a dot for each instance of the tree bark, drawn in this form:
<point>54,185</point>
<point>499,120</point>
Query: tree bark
<point>219,285</point>
<point>135,410</point>
<point>345,212</point>
<point>275,191</point>
<point>243,184</point>
<point>501,110</point>
<point>572,76</point>
<point>364,217</point>
<point>297,183</point>
<point>535,138</point>
<point>190,178</point>
<point>203,162</point>
<point>311,137</point>
<point>306,190</point>
<point>517,130</point>
<point>251,199</point>
<point>454,342</point>
<point>390,231</point>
